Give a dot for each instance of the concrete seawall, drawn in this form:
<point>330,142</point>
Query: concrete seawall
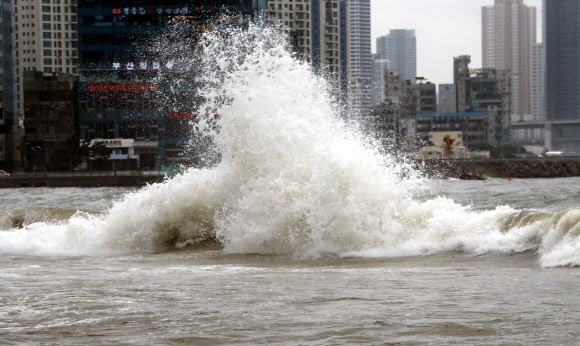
<point>82,179</point>
<point>506,168</point>
<point>460,169</point>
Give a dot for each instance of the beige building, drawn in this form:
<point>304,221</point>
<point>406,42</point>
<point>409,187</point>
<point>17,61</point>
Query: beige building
<point>46,39</point>
<point>318,33</point>
<point>508,33</point>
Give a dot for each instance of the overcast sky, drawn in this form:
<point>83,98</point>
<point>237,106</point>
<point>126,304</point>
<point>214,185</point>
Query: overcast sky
<point>444,29</point>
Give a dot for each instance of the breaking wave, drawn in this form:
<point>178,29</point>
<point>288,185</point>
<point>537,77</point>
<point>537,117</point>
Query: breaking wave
<point>293,178</point>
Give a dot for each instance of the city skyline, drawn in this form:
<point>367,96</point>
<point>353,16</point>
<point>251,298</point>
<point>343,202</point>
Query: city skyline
<point>444,29</point>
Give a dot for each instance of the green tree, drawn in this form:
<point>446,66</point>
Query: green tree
<point>73,152</point>
<point>482,147</point>
<point>99,151</point>
<point>508,151</point>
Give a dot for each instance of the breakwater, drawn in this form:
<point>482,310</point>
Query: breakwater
<point>502,168</point>
<point>457,168</point>
<point>82,179</point>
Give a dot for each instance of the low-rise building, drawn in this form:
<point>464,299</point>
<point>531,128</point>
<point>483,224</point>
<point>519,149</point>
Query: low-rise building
<point>487,90</point>
<point>473,126</point>
<point>425,94</point>
<point>50,117</point>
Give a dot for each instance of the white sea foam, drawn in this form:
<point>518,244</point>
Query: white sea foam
<point>293,178</point>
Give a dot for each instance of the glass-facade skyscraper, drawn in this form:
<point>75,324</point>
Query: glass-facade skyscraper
<point>125,83</point>
<point>399,47</point>
<point>562,88</point>
<point>562,59</point>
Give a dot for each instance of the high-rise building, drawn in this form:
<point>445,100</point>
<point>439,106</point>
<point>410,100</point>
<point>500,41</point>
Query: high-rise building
<point>563,59</point>
<point>400,48</point>
<point>562,44</point>
<point>508,33</point>
<point>537,80</point>
<point>318,33</point>
<point>380,67</point>
<point>46,39</point>
<point>134,98</point>
<point>9,134</point>
<point>360,57</point>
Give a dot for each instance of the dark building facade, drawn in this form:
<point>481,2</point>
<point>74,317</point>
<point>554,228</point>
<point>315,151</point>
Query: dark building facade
<point>562,44</point>
<point>130,90</point>
<point>9,129</point>
<point>50,119</point>
<point>473,125</point>
<point>487,90</point>
<point>562,59</point>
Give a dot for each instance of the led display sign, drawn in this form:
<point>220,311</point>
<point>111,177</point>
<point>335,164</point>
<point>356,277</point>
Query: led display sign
<point>117,11</point>
<point>120,88</point>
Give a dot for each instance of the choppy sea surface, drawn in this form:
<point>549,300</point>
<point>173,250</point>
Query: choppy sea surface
<point>299,230</point>
<point>203,295</point>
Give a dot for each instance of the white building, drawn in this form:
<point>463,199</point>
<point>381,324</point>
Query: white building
<point>508,33</point>
<point>360,57</point>
<point>537,75</point>
<point>380,67</point>
<point>46,38</point>
<point>400,48</point>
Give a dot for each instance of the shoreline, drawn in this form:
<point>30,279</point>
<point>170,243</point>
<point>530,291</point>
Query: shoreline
<point>83,179</point>
<point>479,169</point>
<point>464,169</point>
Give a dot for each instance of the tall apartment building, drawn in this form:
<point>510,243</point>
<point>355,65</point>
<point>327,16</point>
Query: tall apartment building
<point>400,48</point>
<point>562,40</point>
<point>46,38</point>
<point>537,81</point>
<point>508,33</point>
<point>9,134</point>
<point>360,57</point>
<point>318,33</point>
<point>380,67</point>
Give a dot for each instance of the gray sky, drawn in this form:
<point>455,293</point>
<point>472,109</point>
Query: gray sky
<point>444,29</point>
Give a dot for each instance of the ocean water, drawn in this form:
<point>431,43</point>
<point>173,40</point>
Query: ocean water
<point>304,232</point>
